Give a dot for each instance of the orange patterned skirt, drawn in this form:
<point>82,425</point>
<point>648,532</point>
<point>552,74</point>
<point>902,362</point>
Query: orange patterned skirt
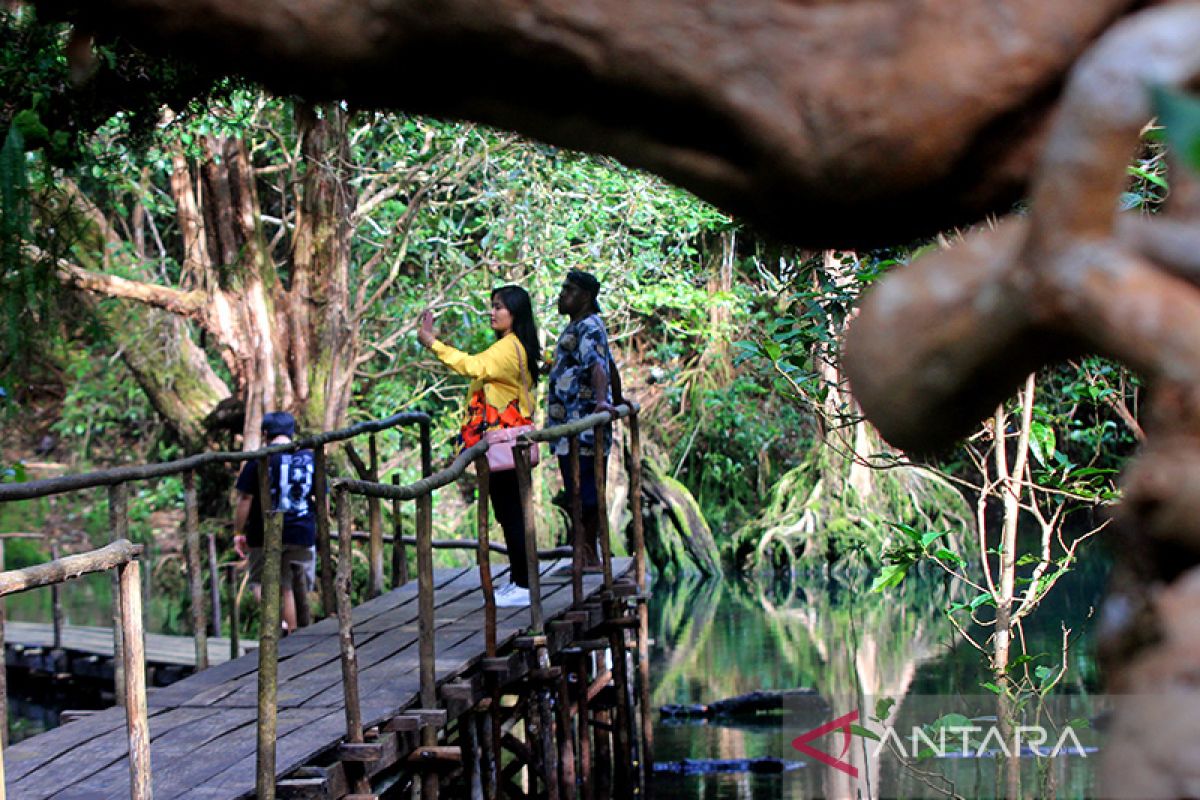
<point>482,416</point>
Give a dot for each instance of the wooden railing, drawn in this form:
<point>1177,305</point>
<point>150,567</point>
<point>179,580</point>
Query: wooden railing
<point>336,589</point>
<point>422,493</point>
<point>117,481</point>
<point>120,556</point>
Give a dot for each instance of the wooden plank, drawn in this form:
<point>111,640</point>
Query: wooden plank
<point>293,748</point>
<point>160,648</point>
<point>79,763</point>
<point>171,748</point>
<point>26,756</point>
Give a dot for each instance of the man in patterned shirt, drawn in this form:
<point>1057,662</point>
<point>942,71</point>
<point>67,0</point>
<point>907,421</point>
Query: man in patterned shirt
<point>579,386</point>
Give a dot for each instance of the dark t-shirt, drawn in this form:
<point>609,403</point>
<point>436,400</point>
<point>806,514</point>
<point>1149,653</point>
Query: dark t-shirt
<point>291,492</point>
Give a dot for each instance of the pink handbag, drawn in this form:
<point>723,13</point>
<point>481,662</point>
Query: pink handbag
<point>501,440</point>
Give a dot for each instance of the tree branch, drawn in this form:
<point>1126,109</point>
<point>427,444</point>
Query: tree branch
<point>831,112</point>
<point>185,304</point>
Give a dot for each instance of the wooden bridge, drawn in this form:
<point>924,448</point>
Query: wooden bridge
<point>424,687</point>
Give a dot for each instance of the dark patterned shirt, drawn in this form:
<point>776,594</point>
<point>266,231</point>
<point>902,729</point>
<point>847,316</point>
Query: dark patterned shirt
<point>581,346</point>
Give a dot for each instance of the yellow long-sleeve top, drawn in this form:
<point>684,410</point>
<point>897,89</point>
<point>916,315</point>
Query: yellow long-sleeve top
<point>497,370</point>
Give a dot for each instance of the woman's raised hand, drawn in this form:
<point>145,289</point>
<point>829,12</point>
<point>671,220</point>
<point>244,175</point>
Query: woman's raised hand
<point>425,332</point>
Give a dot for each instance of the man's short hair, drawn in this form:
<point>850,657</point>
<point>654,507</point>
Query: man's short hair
<point>589,283</point>
<point>279,423</point>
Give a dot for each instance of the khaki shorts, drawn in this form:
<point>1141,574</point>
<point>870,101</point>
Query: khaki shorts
<point>305,557</point>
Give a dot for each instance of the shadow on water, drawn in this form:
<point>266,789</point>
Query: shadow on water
<point>719,639</point>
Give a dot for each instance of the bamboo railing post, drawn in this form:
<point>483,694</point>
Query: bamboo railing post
<point>399,556</point>
<point>214,585</point>
<point>268,640</point>
<point>118,527</point>
<point>349,655</point>
<point>324,549</point>
<point>577,537</point>
<point>135,682</point>
<point>425,610</point>
<point>191,527</point>
<point>56,601</point>
<point>600,463</point>
<point>483,555</point>
<point>375,524</point>
<point>525,489</point>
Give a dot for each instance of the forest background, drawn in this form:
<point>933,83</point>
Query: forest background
<point>174,244</point>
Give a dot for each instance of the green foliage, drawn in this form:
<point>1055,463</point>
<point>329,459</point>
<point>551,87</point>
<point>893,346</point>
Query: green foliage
<point>1179,113</point>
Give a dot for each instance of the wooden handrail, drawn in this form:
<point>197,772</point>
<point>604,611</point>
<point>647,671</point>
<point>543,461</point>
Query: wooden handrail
<point>110,477</point>
<point>122,556</point>
<point>110,556</point>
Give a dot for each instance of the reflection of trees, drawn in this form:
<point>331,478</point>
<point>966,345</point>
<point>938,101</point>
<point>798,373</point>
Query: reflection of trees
<point>718,639</point>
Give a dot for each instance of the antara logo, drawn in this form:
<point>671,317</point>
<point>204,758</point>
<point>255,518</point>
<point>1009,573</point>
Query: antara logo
<point>1034,738</point>
<point>841,723</point>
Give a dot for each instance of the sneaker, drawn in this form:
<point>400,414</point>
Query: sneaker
<point>512,596</point>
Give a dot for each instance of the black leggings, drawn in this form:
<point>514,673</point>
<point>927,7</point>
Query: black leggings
<point>506,505</point>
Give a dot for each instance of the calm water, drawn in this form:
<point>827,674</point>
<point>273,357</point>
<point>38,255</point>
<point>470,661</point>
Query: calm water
<point>721,639</point>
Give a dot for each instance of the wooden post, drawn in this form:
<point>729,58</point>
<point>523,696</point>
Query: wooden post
<point>268,639</point>
<point>425,610</point>
<point>375,525</point>
<point>472,755</point>
<point>639,561</point>
<point>622,744</point>
<point>56,601</point>
<point>214,584</point>
<point>399,555</point>
<point>135,682</point>
<point>235,615</point>
<point>485,735</point>
<point>577,537</point>
<point>191,528</point>
<point>600,463</point>
<point>525,489</point>
<point>566,738</point>
<point>118,527</point>
<point>583,680</point>
<point>324,549</point>
<point>3,677</point>
<point>544,705</point>
<point>349,656</point>
<point>483,555</point>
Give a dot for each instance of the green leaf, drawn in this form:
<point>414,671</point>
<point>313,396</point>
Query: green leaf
<point>983,599</point>
<point>949,556</point>
<point>883,707</point>
<point>859,730</point>
<point>1041,441</point>
<point>891,575</point>
<point>1179,113</point>
<point>991,687</point>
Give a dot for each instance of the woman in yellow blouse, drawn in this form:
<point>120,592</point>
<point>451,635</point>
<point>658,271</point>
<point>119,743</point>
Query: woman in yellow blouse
<point>500,396</point>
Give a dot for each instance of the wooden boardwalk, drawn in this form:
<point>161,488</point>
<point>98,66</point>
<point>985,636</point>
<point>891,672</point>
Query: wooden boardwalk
<point>160,648</point>
<point>203,727</point>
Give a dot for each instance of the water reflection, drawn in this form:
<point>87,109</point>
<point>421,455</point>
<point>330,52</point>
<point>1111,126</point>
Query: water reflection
<point>718,639</point>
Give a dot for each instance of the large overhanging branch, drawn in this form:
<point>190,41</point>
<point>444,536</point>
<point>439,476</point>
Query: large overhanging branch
<point>185,304</point>
<point>842,122</point>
